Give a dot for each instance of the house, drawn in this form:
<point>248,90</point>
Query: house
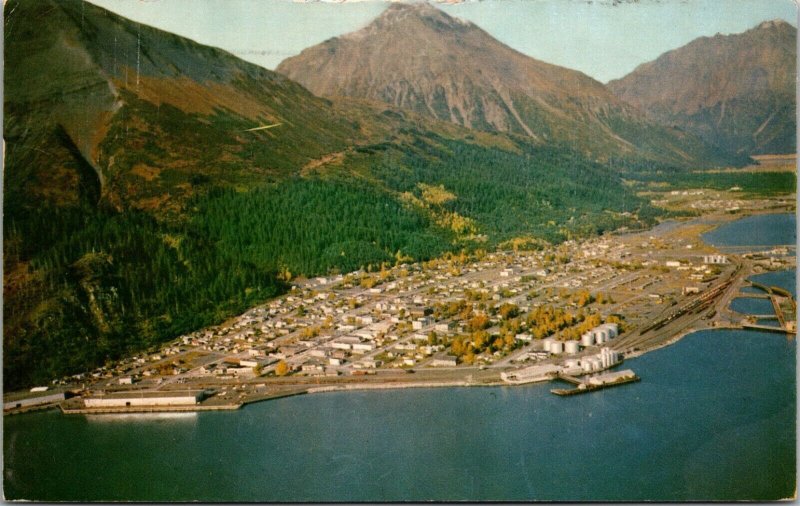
<point>363,347</point>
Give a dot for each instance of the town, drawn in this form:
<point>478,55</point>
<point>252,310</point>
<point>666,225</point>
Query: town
<point>505,317</point>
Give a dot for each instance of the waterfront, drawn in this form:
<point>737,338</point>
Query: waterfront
<point>713,418</point>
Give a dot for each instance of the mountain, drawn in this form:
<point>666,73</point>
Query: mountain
<point>116,104</point>
<point>735,91</point>
<point>154,186</point>
<point>417,57</point>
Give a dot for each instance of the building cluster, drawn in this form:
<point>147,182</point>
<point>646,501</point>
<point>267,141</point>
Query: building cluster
<point>358,322</point>
<point>586,364</point>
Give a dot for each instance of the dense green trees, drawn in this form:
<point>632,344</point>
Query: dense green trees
<point>749,182</point>
<point>312,226</point>
<point>105,284</point>
<point>546,192</point>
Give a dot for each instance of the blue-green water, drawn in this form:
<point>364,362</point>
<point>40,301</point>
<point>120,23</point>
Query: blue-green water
<point>748,305</point>
<point>759,230</point>
<point>713,418</point>
<point>785,279</point>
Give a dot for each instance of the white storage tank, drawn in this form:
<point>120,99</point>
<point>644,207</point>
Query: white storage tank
<point>587,339</point>
<point>546,343</point>
<point>556,347</point>
<point>613,329</point>
<point>595,336</point>
<point>571,347</point>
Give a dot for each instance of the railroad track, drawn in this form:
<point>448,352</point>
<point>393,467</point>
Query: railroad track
<point>650,333</point>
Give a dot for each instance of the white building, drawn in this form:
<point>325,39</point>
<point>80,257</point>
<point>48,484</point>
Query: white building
<point>145,398</point>
<point>715,259</point>
<point>363,347</point>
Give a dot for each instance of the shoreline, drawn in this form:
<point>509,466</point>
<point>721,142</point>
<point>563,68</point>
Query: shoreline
<point>340,388</point>
<point>287,389</point>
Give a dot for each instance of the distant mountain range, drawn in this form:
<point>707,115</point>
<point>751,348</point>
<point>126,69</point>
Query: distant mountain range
<point>737,91</point>
<point>417,57</point>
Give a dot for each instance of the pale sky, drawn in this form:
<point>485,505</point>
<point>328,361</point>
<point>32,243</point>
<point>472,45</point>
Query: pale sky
<point>603,40</point>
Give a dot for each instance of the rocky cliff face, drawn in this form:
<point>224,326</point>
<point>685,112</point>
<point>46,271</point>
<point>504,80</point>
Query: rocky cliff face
<point>417,57</point>
<point>734,91</point>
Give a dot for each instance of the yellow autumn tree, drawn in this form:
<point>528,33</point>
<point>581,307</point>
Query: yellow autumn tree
<point>282,368</point>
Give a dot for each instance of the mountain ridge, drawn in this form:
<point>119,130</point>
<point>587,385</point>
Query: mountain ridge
<point>736,91</point>
<point>417,57</point>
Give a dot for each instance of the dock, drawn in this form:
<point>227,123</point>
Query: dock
<point>768,328</point>
<point>594,383</point>
<point>783,303</point>
<point>67,410</point>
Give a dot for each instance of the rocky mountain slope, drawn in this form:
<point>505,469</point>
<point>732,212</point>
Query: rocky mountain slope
<point>417,57</point>
<point>735,91</point>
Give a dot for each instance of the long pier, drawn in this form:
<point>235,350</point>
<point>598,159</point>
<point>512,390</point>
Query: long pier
<point>591,388</point>
<point>767,328</point>
<point>569,379</point>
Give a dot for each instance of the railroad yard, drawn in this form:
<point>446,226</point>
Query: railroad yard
<point>456,321</point>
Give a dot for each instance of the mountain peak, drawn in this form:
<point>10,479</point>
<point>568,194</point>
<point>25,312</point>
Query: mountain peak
<point>773,23</point>
<point>415,56</point>
<point>411,16</point>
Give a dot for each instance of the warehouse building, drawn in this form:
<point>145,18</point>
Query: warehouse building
<point>145,398</point>
<point>31,402</point>
<point>443,360</point>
